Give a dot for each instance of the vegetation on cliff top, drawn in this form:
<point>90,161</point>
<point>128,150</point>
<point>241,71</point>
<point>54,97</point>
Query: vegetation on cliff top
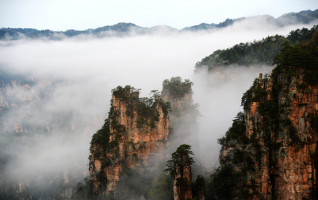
<point>175,88</point>
<point>179,93</point>
<point>303,56</point>
<point>146,108</point>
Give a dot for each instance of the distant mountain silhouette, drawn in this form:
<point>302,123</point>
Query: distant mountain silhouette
<point>302,17</point>
<point>122,29</point>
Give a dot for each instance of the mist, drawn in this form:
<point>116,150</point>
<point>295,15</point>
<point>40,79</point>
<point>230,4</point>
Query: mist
<point>219,96</point>
<point>75,76</point>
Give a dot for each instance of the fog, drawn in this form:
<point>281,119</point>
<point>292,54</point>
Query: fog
<point>76,76</point>
<point>219,96</point>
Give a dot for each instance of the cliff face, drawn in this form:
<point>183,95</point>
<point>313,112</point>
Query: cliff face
<point>278,155</point>
<point>133,132</point>
<point>270,152</point>
<point>255,124</point>
<point>293,172</point>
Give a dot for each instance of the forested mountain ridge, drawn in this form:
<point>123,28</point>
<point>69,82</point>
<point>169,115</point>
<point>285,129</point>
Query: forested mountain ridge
<point>16,33</point>
<point>122,29</point>
<point>205,26</point>
<point>255,53</point>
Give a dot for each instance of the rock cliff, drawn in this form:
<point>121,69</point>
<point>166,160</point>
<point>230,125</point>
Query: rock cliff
<point>270,152</point>
<point>135,130</point>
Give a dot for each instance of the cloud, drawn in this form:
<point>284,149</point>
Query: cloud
<point>79,73</point>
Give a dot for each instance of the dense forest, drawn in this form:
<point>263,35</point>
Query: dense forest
<point>255,53</point>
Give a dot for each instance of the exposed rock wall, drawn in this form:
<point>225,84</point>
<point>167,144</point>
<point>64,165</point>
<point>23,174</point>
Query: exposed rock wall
<point>253,121</point>
<point>281,140</point>
<point>295,172</point>
<point>292,172</point>
<point>135,132</point>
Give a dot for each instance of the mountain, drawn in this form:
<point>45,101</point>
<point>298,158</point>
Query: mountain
<point>122,29</point>
<point>204,26</point>
<point>271,149</point>
<point>16,33</point>
<point>302,17</point>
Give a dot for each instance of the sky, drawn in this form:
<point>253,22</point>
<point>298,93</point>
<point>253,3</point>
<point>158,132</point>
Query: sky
<point>61,15</point>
